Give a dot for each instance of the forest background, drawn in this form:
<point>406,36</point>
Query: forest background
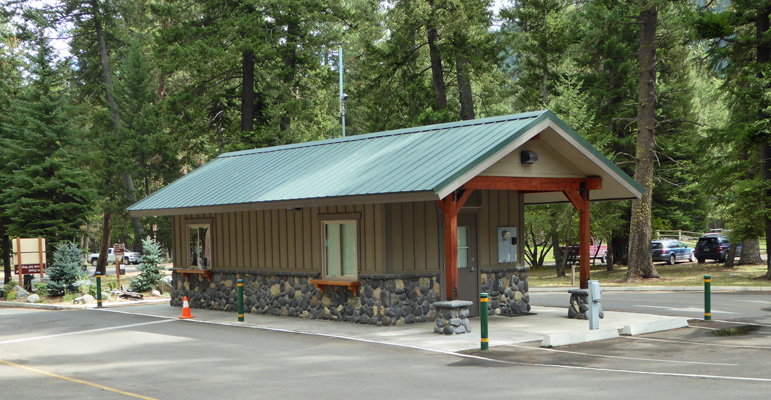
<point>106,101</point>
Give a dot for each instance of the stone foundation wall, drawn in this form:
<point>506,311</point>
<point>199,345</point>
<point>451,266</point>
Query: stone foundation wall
<point>382,300</point>
<point>507,289</point>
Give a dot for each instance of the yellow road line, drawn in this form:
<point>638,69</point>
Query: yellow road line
<point>96,385</point>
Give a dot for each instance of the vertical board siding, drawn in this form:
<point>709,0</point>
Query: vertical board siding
<point>286,240</point>
<point>420,249</point>
<point>289,240</point>
<point>240,249</point>
<point>307,241</point>
<point>414,236</point>
<point>261,240</point>
<point>254,256</point>
<point>408,236</point>
<point>275,240</point>
<point>484,226</point>
<point>369,262</point>
<point>434,233</point>
<point>315,228</point>
<point>396,237</point>
<point>380,238</point>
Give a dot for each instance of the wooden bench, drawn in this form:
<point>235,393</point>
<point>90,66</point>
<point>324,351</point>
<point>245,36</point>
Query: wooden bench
<point>187,272</point>
<point>322,283</point>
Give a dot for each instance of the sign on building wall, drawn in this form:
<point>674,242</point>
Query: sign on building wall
<point>29,256</point>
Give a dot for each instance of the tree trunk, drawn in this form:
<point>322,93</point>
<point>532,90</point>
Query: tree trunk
<point>101,263</point>
<point>247,92</point>
<point>640,262</point>
<point>437,73</point>
<point>104,60</point>
<point>464,87</point>
<point>560,257</point>
<point>609,260</point>
<point>750,253</point>
<point>290,69</point>
<point>6,250</point>
<point>764,56</point>
<point>730,256</point>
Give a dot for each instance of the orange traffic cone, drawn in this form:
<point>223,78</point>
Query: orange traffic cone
<point>186,310</point>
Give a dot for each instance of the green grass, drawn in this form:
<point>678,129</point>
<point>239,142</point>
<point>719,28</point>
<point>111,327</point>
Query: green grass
<point>682,274</point>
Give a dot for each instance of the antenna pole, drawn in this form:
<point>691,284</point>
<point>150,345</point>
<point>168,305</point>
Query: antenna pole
<point>342,95</point>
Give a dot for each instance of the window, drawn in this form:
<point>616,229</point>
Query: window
<point>463,247</point>
<point>340,249</point>
<point>199,246</point>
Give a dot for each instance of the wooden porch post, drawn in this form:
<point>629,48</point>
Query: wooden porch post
<point>580,200</point>
<point>450,205</point>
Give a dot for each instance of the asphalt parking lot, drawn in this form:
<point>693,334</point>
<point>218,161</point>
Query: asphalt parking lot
<point>739,354</point>
<point>116,354</point>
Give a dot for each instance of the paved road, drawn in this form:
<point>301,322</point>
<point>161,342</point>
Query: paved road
<point>102,354</point>
<point>749,307</point>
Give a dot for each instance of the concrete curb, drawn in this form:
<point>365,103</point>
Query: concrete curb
<point>655,326</point>
<point>566,339</point>
<point>658,289</point>
<point>43,306</point>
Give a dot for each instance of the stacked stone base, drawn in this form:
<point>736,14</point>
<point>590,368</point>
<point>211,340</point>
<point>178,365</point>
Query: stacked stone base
<point>579,304</point>
<point>388,300</point>
<point>507,289</point>
<point>452,317</point>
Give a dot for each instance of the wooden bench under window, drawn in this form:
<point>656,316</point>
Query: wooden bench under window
<point>187,272</point>
<point>321,283</point>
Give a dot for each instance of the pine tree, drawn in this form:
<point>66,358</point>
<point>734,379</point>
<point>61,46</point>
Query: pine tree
<point>47,194</point>
<point>65,270</point>
<point>149,264</point>
<point>741,52</point>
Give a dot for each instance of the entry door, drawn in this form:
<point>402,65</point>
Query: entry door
<point>468,261</point>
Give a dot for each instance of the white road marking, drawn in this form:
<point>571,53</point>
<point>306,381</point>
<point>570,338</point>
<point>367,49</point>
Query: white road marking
<point>755,301</point>
<point>688,309</point>
<point>29,339</point>
<point>619,357</point>
<point>739,346</point>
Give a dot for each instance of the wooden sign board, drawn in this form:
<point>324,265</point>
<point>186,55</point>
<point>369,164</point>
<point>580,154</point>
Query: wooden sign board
<point>30,255</point>
<point>118,249</point>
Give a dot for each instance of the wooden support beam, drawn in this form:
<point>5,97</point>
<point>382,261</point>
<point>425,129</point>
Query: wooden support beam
<point>450,206</point>
<point>580,200</point>
<point>533,184</point>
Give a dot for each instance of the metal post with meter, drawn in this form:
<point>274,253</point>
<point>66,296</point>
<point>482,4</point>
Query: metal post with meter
<point>595,294</point>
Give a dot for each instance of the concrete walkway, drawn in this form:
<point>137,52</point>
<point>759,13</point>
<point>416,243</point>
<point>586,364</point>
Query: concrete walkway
<point>547,322</point>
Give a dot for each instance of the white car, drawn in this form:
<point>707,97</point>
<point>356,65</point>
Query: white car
<point>129,257</point>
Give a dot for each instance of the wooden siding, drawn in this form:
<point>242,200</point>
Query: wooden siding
<point>415,236</point>
<point>281,240</point>
<point>416,232</point>
<point>286,240</point>
<point>499,208</point>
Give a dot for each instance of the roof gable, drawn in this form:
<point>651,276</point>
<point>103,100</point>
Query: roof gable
<point>408,164</point>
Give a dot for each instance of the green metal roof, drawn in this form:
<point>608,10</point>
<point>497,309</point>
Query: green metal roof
<point>419,162</point>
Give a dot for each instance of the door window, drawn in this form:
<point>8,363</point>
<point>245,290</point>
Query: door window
<point>463,248</point>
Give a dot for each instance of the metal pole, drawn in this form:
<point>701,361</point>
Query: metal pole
<point>483,320</point>
<point>240,284</point>
<point>707,300</point>
<point>98,289</point>
<point>342,95</point>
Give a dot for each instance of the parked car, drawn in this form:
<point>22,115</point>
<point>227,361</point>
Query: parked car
<point>129,257</point>
<point>671,251</point>
<point>714,247</point>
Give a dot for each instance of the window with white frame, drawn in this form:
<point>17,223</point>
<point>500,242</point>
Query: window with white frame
<point>199,246</point>
<point>340,249</point>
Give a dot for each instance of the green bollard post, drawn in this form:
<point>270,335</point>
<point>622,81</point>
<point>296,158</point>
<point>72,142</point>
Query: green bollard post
<point>483,320</point>
<point>98,289</point>
<point>707,301</point>
<point>240,284</point>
